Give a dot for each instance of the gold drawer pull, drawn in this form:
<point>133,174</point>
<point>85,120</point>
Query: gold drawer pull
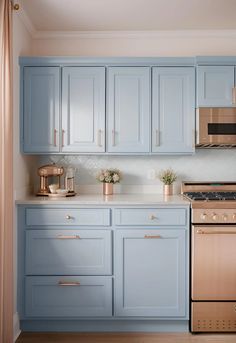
<point>113,137</point>
<point>150,236</point>
<point>55,137</point>
<point>99,138</point>
<point>233,96</point>
<point>62,138</point>
<point>216,232</point>
<point>194,138</point>
<point>152,217</point>
<point>157,138</point>
<point>68,237</point>
<point>68,283</point>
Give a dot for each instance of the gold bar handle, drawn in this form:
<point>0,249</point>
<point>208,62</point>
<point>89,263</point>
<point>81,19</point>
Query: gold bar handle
<point>194,138</point>
<point>216,232</point>
<point>113,137</point>
<point>62,138</point>
<point>55,137</point>
<point>157,137</point>
<point>68,283</point>
<point>68,237</point>
<point>99,139</point>
<point>234,96</point>
<point>152,237</point>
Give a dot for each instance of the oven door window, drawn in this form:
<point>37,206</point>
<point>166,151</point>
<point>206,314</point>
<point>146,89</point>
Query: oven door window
<point>213,262</point>
<point>222,128</point>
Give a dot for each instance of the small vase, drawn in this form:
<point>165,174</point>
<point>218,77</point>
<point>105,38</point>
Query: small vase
<point>107,188</point>
<point>168,190</point>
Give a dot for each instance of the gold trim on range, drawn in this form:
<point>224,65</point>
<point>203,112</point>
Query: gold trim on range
<point>215,232</point>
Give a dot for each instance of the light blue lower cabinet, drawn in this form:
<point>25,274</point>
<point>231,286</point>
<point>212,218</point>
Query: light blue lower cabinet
<point>67,296</point>
<point>150,273</point>
<point>129,276</point>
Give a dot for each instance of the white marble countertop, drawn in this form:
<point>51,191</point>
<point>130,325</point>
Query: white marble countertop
<point>109,200</point>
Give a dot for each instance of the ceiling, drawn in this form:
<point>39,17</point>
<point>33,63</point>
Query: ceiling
<point>130,15</point>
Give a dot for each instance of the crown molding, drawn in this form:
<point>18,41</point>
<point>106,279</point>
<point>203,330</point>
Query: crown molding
<point>157,34</point>
<point>27,22</point>
<point>134,34</point>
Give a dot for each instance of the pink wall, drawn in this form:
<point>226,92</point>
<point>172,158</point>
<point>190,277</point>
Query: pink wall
<point>172,43</point>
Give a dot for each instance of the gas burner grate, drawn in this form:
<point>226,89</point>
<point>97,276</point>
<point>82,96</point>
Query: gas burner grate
<point>211,196</point>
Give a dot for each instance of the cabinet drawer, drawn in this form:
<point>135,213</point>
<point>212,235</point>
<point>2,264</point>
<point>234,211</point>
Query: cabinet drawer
<point>68,252</point>
<point>68,296</point>
<point>151,216</point>
<point>72,216</point>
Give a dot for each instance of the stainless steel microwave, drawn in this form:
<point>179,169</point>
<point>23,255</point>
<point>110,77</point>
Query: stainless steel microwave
<point>216,127</point>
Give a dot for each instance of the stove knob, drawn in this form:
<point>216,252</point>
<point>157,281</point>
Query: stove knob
<point>234,216</point>
<point>225,217</point>
<point>203,216</point>
<point>214,216</point>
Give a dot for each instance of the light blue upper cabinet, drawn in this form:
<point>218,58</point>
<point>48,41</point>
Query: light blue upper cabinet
<point>214,86</point>
<point>150,273</point>
<point>173,110</point>
<point>41,94</point>
<point>128,109</point>
<point>83,109</point>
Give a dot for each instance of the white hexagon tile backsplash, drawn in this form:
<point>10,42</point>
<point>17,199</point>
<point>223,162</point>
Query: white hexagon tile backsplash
<point>204,165</point>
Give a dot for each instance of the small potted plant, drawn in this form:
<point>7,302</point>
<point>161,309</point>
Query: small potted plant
<point>108,177</point>
<point>168,177</point>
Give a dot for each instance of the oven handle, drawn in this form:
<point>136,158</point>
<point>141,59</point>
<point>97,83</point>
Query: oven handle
<point>216,232</point>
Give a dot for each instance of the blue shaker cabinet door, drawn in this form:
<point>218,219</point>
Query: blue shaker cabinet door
<point>41,92</point>
<point>83,109</point>
<point>150,273</point>
<point>214,86</point>
<point>173,111</point>
<point>128,109</point>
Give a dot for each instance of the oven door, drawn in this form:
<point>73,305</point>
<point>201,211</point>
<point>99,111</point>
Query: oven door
<point>216,126</point>
<point>213,262</point>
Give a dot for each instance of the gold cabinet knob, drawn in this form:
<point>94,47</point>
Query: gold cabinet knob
<point>225,217</point>
<point>214,216</point>
<point>68,217</point>
<point>152,217</point>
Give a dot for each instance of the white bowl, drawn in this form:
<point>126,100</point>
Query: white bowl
<point>53,188</point>
<point>62,191</point>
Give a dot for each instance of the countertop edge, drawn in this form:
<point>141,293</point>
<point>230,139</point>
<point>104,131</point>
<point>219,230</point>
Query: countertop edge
<point>111,200</point>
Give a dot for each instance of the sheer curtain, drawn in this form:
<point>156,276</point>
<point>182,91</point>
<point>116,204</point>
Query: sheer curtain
<point>6,176</point>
